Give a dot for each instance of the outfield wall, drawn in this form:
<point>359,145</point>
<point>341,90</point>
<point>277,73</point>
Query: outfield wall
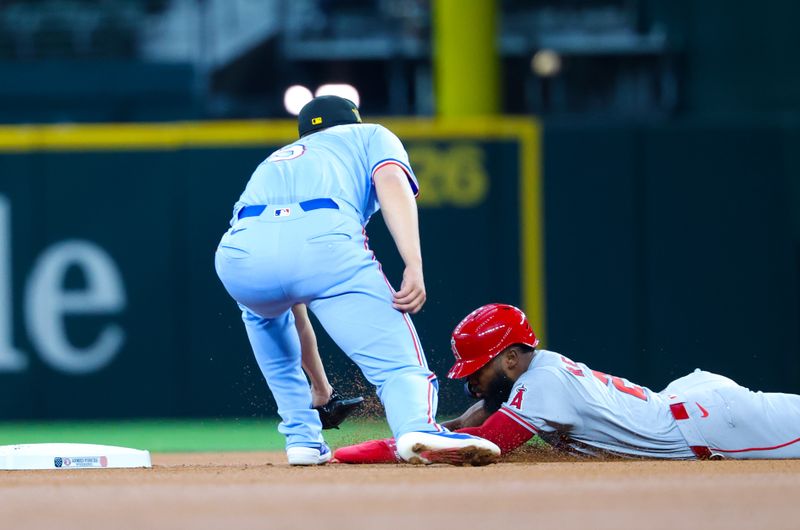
<point>676,246</point>
<point>666,247</point>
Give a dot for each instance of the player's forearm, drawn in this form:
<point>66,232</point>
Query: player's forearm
<point>472,417</point>
<point>305,331</point>
<point>312,366</point>
<point>501,430</point>
<point>399,212</point>
<point>311,361</point>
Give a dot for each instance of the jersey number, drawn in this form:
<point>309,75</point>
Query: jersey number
<point>619,383</point>
<point>287,153</point>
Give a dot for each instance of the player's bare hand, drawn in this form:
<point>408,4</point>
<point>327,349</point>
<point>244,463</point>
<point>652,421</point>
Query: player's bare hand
<point>411,296</point>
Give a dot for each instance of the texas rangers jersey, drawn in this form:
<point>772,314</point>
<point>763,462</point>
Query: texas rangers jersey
<point>285,255</point>
<point>336,163</point>
<point>580,410</point>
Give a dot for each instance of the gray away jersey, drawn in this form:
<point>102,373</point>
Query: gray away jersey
<point>580,410</point>
<point>337,163</point>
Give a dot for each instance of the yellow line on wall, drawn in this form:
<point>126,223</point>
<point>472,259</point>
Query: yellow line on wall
<point>531,212</point>
<point>180,135</point>
<point>144,136</point>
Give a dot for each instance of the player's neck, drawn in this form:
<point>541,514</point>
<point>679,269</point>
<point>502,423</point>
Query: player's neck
<point>523,364</point>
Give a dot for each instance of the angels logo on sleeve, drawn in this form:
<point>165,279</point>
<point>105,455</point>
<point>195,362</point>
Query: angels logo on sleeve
<point>517,401</point>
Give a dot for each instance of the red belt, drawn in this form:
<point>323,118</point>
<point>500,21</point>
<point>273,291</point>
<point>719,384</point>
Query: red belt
<point>680,413</point>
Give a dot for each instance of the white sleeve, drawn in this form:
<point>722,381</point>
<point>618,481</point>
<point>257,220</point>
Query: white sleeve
<point>541,402</point>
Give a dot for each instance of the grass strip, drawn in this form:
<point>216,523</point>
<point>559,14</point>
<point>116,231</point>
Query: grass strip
<point>167,435</point>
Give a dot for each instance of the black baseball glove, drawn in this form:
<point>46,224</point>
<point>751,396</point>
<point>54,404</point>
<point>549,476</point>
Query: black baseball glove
<point>337,409</point>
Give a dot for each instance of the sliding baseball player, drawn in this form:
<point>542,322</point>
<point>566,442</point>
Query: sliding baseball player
<point>524,391</point>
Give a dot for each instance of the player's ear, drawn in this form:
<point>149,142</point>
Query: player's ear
<point>511,358</point>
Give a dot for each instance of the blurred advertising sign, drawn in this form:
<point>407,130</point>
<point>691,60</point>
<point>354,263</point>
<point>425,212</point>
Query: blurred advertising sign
<point>48,303</point>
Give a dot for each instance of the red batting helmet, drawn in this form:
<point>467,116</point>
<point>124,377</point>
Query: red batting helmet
<point>486,332</point>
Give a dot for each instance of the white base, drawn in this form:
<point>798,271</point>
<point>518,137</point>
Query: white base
<point>71,456</point>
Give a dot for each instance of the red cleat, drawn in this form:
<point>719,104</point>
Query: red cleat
<point>370,452</point>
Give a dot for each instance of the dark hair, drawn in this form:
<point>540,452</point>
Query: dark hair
<point>524,348</point>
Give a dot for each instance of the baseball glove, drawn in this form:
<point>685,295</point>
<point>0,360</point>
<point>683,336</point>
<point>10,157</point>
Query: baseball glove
<point>337,409</point>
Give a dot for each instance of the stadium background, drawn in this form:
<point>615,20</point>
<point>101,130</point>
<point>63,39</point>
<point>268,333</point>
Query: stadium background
<point>624,170</point>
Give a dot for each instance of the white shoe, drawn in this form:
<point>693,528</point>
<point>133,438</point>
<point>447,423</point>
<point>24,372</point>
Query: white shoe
<point>308,456</point>
<point>446,448</point>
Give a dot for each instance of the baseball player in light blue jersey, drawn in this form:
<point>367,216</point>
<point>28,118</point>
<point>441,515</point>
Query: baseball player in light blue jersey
<point>525,392</point>
<point>298,236</point>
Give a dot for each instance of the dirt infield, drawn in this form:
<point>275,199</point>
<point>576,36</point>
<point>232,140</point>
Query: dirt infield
<point>258,490</point>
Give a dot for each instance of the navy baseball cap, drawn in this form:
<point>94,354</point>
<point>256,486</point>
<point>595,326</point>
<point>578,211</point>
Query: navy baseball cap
<point>326,111</point>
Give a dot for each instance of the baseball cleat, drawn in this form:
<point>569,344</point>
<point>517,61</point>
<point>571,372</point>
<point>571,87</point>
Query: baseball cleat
<point>369,452</point>
<point>337,409</point>
<point>452,448</point>
<point>308,456</point>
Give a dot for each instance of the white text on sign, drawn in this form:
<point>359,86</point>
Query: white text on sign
<point>47,304</point>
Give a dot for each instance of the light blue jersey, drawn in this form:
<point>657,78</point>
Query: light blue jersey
<point>339,163</point>
<point>297,236</point>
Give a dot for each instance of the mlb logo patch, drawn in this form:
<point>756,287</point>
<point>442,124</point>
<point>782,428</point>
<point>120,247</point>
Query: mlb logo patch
<point>283,212</point>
